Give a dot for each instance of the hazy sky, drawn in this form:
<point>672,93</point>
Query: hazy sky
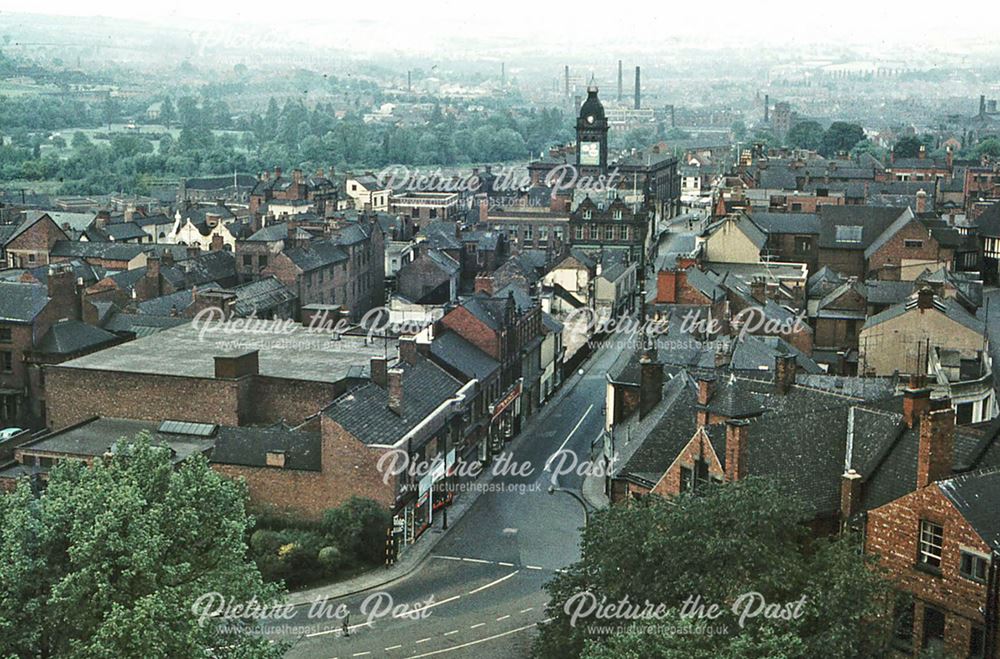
<point>638,24</point>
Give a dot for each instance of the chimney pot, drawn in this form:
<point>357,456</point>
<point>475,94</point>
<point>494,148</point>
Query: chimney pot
<point>935,453</point>
<point>395,389</point>
<point>379,370</point>
<point>850,494</point>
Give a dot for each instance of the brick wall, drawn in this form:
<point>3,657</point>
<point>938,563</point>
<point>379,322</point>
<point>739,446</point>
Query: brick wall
<point>895,251</point>
<point>470,328</point>
<point>892,534</point>
<point>699,446</point>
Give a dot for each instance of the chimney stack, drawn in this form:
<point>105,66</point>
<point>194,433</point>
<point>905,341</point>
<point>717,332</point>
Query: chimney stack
<point>922,153</point>
<point>921,201</point>
<point>736,449</point>
<point>925,298</point>
<point>767,108</point>
<point>395,388</point>
<point>566,77</point>
<point>982,105</point>
<point>937,446</point>
<point>650,382</point>
<point>706,389</point>
<point>916,400</point>
<point>638,90</point>
<point>380,368</point>
<point>850,494</point>
<point>784,373</point>
<point>408,349</point>
<point>758,289</point>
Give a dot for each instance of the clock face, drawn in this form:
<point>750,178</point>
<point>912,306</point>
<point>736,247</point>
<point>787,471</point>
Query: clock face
<point>590,153</point>
<point>590,118</point>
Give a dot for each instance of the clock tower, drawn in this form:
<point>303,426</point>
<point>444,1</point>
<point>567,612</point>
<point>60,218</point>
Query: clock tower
<point>592,137</point>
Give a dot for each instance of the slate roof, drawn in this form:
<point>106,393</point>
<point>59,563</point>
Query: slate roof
<point>20,303</point>
<point>441,235</point>
<point>102,250</point>
<point>261,295</point>
<point>463,357</point>
<point>141,325</point>
<point>797,223</point>
<point>364,412</point>
<point>988,222</point>
<point>757,353</point>
<point>873,219</point>
<point>249,446</point>
<point>904,218</point>
<point>122,231</point>
<point>317,254</point>
<point>823,281</point>
<point>948,306</point>
<point>166,304</point>
<point>977,497</point>
<point>69,336</point>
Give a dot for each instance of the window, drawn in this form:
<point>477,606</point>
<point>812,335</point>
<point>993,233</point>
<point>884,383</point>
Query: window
<point>31,258</point>
<point>5,334</point>
<point>796,207</point>
<point>913,244</point>
<point>262,261</point>
<point>977,643</point>
<point>687,479</point>
<point>557,233</point>
<point>594,232</point>
<point>931,538</point>
<point>609,233</point>
<point>527,231</point>
<point>933,628</point>
<point>247,260</point>
<point>587,214</point>
<point>543,234</point>
<point>578,233</point>
<point>848,233</point>
<point>963,413</point>
<point>973,566</point>
<point>803,244</point>
<point>618,213</point>
<point>6,361</point>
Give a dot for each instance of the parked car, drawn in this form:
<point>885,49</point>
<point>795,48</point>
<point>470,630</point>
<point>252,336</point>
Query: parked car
<point>7,433</point>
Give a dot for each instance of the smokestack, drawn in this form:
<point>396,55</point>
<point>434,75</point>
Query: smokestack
<point>409,81</point>
<point>638,92</point>
<point>767,108</point>
<point>619,81</point>
<point>982,105</point>
<point>503,74</point>
<point>566,77</point>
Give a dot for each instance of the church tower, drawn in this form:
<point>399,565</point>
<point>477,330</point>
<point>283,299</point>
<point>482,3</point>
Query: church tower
<point>592,136</point>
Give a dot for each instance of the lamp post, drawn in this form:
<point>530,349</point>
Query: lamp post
<point>583,504</point>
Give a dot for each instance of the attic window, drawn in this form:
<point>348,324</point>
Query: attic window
<point>849,233</point>
<point>275,458</point>
<point>187,428</point>
<point>913,244</point>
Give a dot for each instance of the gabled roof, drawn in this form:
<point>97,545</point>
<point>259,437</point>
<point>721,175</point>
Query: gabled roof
<point>248,446</point>
<point>988,222</point>
<point>798,223</point>
<point>317,254</point>
<point>20,303</point>
<point>463,357</point>
<point>68,337</point>
<point>947,306</point>
<point>364,412</point>
<point>873,220</point>
<point>977,497</point>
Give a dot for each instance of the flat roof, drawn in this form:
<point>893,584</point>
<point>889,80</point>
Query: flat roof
<point>95,438</point>
<point>286,350</point>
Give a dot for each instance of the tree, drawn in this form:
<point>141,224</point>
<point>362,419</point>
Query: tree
<point>805,135</point>
<point>109,560</point>
<point>725,542</point>
<point>840,137</point>
<point>167,113</point>
<point>358,527</point>
<point>989,147</point>
<point>907,147</point>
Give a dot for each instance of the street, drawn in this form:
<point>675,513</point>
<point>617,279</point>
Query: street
<point>487,573</point>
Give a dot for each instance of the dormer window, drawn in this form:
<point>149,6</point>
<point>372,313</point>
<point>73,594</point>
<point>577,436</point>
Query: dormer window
<point>618,214</point>
<point>587,214</point>
<point>849,233</point>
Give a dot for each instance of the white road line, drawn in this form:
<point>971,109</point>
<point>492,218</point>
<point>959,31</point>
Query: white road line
<point>454,631</point>
<point>337,629</point>
<point>471,643</point>
<point>534,567</point>
<point>475,560</point>
<point>360,654</point>
<point>505,564</point>
<point>478,624</point>
<point>448,558</point>
<point>503,617</point>
<point>526,610</point>
<point>424,608</point>
<point>423,640</point>
<point>548,463</point>
<point>393,647</point>
<point>493,583</point>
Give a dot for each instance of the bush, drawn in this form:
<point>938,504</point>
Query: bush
<point>330,558</point>
<point>358,528</point>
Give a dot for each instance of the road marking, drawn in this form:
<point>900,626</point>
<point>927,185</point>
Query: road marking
<point>360,654</point>
<point>493,583</point>
<point>424,608</point>
<point>476,642</point>
<point>534,567</point>
<point>454,631</point>
<point>393,647</point>
<point>505,564</point>
<point>338,629</point>
<point>423,640</point>
<point>527,609</point>
<point>478,624</point>
<point>503,617</point>
<point>475,560</point>
<point>548,463</point>
<point>448,558</point>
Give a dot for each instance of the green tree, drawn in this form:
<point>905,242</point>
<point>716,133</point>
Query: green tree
<point>907,147</point>
<point>109,560</point>
<point>727,541</point>
<point>358,527</point>
<point>989,147</point>
<point>167,113</point>
<point>80,140</point>
<point>840,137</point>
<point>805,135</point>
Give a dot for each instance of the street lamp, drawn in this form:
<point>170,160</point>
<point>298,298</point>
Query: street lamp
<point>583,504</point>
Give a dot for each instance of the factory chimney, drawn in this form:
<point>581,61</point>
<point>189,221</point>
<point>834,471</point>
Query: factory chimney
<point>619,81</point>
<point>638,92</point>
<point>767,108</point>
